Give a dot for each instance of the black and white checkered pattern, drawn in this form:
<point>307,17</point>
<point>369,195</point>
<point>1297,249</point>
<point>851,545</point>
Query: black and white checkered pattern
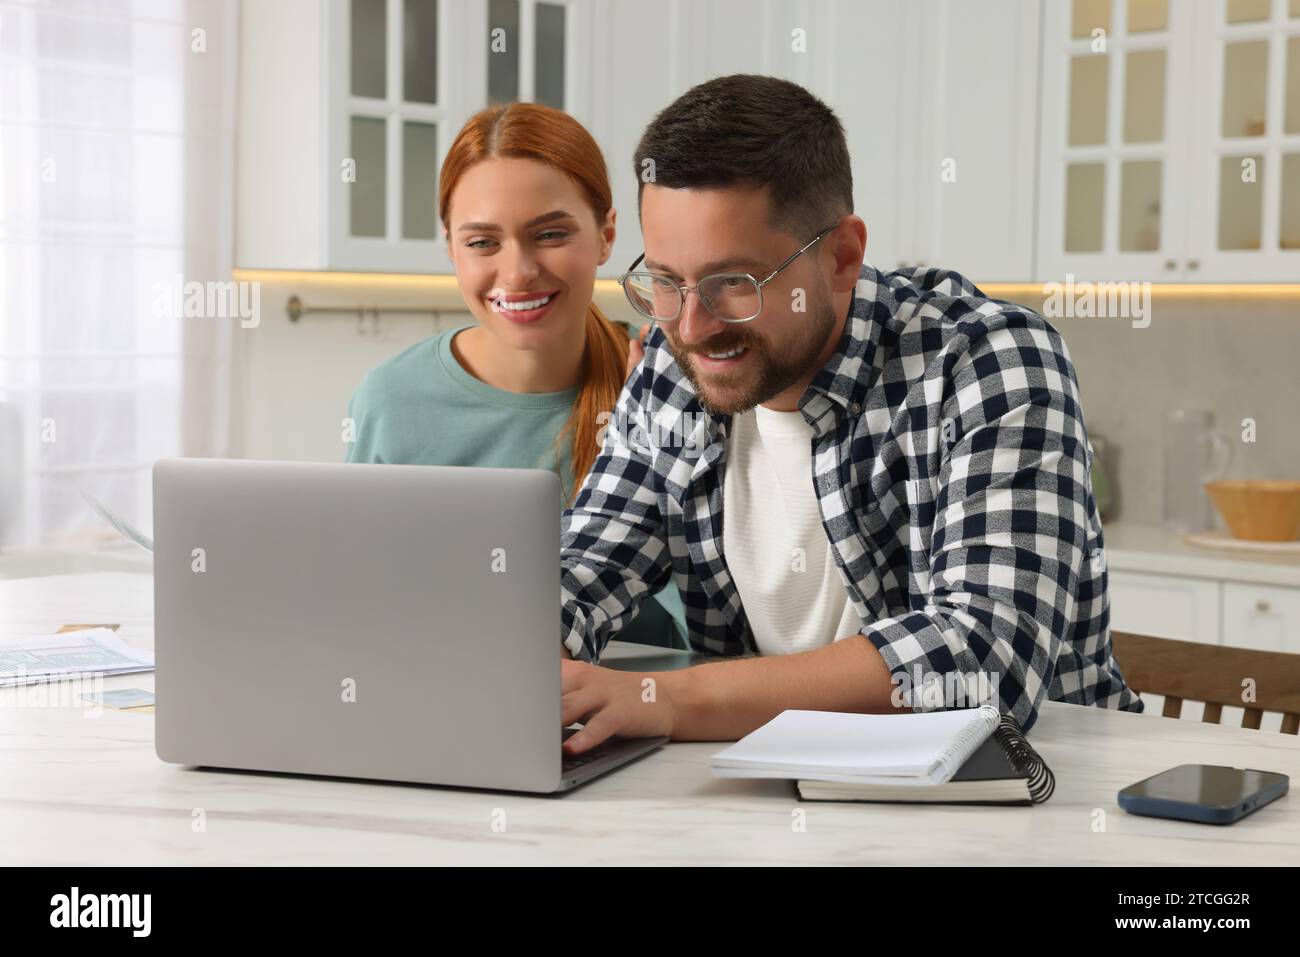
<point>952,471</point>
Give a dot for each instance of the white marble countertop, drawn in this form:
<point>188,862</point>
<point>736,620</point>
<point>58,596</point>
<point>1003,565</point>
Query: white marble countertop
<point>76,789</point>
<point>1157,551</point>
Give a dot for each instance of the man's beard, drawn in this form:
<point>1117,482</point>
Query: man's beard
<point>763,374</point>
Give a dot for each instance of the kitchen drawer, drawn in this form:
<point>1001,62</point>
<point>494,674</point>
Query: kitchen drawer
<point>1261,616</point>
<point>1166,606</point>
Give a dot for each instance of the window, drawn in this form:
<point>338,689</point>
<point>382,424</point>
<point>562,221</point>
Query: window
<point>116,189</point>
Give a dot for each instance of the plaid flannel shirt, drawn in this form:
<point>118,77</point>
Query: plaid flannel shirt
<point>951,467</point>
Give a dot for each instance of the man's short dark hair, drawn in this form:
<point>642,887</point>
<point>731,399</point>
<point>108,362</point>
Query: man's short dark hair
<point>755,131</point>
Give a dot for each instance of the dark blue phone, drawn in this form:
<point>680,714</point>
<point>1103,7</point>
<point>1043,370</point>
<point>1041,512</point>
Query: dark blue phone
<point>1207,793</point>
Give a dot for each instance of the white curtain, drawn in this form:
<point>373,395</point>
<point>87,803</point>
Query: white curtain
<point>116,183</point>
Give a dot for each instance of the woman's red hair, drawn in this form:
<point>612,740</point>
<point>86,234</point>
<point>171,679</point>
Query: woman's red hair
<point>550,136</point>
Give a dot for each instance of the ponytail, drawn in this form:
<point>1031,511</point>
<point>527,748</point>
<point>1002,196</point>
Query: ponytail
<point>604,372</point>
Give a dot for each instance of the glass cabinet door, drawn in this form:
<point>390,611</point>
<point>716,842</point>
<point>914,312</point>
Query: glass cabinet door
<point>1113,203</point>
<point>528,51</point>
<point>388,109</point>
<point>367,131</point>
<point>1248,142</point>
<point>402,77</point>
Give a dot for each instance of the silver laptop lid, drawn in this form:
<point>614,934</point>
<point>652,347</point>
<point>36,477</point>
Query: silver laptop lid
<point>398,622</point>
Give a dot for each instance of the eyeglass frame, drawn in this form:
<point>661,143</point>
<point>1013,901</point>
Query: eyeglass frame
<point>683,289</point>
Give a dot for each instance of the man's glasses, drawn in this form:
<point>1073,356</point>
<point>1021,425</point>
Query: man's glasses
<point>729,296</point>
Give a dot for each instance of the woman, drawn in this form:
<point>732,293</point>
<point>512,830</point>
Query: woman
<point>527,212</point>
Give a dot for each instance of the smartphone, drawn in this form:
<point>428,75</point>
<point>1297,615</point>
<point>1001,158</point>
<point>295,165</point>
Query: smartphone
<point>1207,793</point>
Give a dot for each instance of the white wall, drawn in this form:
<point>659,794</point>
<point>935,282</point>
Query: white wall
<point>292,381</point>
<point>1233,353</point>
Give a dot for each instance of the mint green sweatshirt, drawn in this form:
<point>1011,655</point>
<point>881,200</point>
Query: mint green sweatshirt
<point>422,408</point>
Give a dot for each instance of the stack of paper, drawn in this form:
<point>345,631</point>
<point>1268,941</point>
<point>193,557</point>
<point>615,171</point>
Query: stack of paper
<point>25,661</point>
<point>905,749</point>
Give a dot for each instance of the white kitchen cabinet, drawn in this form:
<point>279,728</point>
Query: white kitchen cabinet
<point>1261,616</point>
<point>1116,118</point>
<point>394,100</point>
<point>348,107</point>
<point>972,99</point>
<point>1149,109</point>
<point>868,78</point>
<point>1213,611</point>
<point>650,56</point>
<point>848,53</point>
<point>1245,221</point>
<point>1166,606</point>
<point>280,187</point>
<point>902,79</point>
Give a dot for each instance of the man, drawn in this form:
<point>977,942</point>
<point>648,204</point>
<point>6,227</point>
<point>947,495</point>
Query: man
<point>871,490</point>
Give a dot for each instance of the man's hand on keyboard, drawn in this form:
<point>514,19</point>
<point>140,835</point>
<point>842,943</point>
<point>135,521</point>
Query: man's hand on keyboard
<point>610,702</point>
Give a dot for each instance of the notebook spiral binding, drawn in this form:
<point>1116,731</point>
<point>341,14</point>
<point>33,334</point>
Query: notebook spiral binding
<point>1022,756</point>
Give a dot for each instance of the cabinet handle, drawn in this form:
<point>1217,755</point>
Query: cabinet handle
<point>1263,607</point>
<point>1193,264</point>
<point>1171,264</point>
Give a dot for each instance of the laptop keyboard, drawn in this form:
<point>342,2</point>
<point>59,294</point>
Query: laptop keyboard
<point>571,762</point>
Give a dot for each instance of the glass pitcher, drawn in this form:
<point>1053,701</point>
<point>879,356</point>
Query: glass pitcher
<point>1195,452</point>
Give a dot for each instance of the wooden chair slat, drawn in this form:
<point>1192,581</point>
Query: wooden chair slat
<point>1214,674</point>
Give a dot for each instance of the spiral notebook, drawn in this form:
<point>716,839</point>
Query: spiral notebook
<point>960,756</point>
<point>1005,769</point>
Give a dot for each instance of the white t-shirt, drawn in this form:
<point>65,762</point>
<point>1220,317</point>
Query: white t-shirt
<point>773,540</point>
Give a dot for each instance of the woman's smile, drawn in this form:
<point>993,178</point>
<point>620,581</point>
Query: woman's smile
<point>522,308</point>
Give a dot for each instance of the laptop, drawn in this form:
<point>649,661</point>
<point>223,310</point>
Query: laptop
<point>392,622</point>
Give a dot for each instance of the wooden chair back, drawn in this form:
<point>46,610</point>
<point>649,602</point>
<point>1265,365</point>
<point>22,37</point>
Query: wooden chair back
<point>1192,671</point>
